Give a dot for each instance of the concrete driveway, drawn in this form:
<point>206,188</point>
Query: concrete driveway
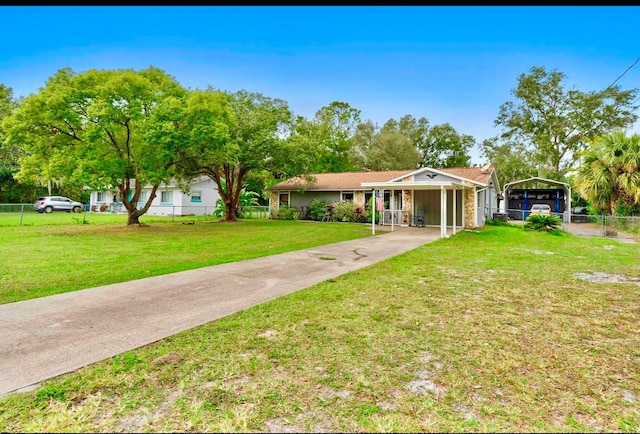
<point>50,336</point>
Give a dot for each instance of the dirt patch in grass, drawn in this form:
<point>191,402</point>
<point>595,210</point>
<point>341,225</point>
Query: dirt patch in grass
<point>601,277</point>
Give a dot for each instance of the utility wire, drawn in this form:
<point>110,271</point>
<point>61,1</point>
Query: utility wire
<point>622,75</point>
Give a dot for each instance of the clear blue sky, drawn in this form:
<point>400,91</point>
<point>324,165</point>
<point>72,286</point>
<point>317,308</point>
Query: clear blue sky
<point>450,64</point>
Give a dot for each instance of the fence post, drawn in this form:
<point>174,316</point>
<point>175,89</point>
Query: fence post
<point>21,212</point>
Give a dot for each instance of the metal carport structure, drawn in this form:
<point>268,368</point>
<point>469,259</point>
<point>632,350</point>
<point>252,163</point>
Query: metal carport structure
<point>567,197</point>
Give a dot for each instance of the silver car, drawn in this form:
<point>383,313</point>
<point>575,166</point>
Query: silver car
<point>57,203</point>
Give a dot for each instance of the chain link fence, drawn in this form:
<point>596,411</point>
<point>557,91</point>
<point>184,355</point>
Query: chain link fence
<point>24,214</point>
<point>621,227</point>
<point>624,227</point>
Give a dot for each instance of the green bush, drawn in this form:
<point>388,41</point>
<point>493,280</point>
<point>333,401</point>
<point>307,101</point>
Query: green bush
<point>317,208</point>
<point>344,211</point>
<point>541,222</point>
<point>286,212</point>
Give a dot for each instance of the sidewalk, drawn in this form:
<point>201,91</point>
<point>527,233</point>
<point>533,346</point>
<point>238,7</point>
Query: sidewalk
<point>50,336</point>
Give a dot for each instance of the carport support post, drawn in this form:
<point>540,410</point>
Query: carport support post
<point>443,212</point>
<point>374,209</point>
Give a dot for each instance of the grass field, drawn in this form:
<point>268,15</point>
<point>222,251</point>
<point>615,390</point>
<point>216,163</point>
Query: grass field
<point>53,258</point>
<point>32,218</point>
<point>488,331</point>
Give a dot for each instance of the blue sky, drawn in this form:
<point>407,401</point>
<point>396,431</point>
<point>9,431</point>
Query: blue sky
<point>449,64</point>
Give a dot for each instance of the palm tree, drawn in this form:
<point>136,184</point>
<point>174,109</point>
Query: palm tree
<point>610,171</point>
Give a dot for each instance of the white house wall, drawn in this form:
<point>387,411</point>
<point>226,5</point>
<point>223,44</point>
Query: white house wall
<point>487,205</point>
<point>433,176</point>
<point>181,204</point>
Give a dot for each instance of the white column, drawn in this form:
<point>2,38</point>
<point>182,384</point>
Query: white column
<point>443,212</point>
<point>392,205</point>
<point>374,208</point>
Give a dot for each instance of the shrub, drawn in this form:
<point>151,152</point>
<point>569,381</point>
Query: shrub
<point>360,215</point>
<point>317,208</point>
<point>344,211</point>
<point>541,222</point>
<point>286,212</point>
<point>305,213</point>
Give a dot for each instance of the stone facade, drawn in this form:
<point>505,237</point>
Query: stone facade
<point>407,196</point>
<point>469,207</point>
<point>274,202</point>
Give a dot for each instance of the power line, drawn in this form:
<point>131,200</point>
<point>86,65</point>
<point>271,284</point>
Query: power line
<point>622,75</point>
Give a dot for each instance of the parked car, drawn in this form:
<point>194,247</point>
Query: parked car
<point>541,208</point>
<point>57,203</point>
<point>580,214</point>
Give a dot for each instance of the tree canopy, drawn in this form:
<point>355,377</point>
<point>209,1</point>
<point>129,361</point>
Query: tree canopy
<point>609,175</point>
<point>382,149</point>
<point>230,136</point>
<point>90,128</point>
<point>554,124</point>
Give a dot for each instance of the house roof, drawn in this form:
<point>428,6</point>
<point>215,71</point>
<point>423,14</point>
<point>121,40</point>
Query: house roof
<point>354,180</point>
<point>478,174</point>
<point>339,181</point>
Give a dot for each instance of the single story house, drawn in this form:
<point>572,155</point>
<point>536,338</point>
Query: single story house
<point>170,200</point>
<point>452,198</point>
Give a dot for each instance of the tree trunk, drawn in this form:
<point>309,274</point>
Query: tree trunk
<point>229,190</point>
<point>133,218</point>
<point>230,208</point>
<point>132,205</point>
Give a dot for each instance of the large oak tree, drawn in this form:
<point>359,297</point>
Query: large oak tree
<point>555,124</point>
<point>90,128</point>
<point>231,136</point>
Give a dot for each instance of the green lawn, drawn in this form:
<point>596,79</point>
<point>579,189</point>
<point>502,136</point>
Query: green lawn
<point>53,258</point>
<point>29,217</point>
<point>487,331</point>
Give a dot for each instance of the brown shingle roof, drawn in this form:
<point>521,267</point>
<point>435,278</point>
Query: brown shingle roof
<point>479,174</point>
<point>339,181</point>
<point>353,180</point>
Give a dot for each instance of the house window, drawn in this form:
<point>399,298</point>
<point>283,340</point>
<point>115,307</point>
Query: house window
<point>166,197</point>
<point>196,196</point>
<point>100,197</point>
<point>284,199</point>
<point>143,197</point>
<point>347,195</point>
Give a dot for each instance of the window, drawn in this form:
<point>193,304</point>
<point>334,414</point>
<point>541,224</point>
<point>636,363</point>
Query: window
<point>166,197</point>
<point>100,196</point>
<point>196,196</point>
<point>143,197</point>
<point>284,199</point>
<point>347,195</point>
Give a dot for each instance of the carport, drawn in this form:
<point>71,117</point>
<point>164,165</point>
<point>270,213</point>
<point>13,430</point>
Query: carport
<point>567,196</point>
